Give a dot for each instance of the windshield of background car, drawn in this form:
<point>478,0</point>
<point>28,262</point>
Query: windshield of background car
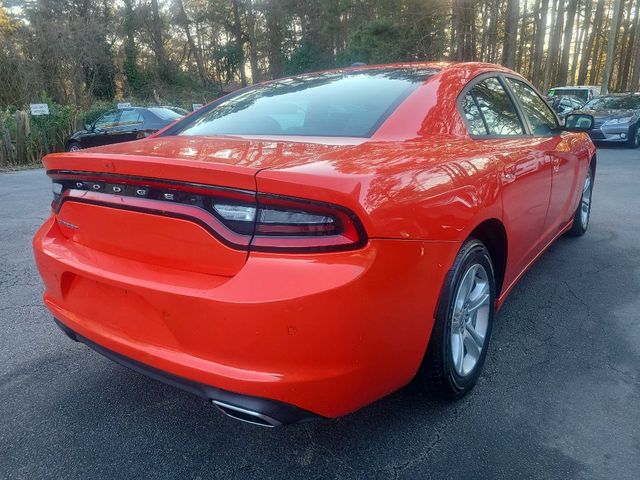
<point>332,104</point>
<point>614,103</point>
<point>582,93</point>
<point>165,113</point>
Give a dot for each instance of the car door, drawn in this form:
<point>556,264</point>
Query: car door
<point>103,130</point>
<point>128,127</point>
<point>558,146</point>
<point>495,120</point>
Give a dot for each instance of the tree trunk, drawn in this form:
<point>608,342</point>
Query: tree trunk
<point>253,48</point>
<point>274,15</point>
<point>237,32</point>
<point>595,56</point>
<point>563,70</point>
<point>493,32</point>
<point>484,41</point>
<point>554,43</point>
<point>582,40</point>
<point>634,84</point>
<point>613,32</point>
<point>626,54</point>
<point>463,23</point>
<point>538,49</point>
<point>158,46</point>
<point>192,46</point>
<point>510,34</point>
<point>522,40</point>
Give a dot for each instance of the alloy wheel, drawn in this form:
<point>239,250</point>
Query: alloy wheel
<point>470,319</point>
<point>585,201</point>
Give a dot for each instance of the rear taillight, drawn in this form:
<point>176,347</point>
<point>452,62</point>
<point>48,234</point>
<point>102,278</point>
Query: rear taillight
<point>241,219</point>
<point>292,224</point>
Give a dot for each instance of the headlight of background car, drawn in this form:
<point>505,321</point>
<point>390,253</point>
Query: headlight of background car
<point>618,121</point>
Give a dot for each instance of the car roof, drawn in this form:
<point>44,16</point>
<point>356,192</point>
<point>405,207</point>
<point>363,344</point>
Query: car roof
<point>470,69</point>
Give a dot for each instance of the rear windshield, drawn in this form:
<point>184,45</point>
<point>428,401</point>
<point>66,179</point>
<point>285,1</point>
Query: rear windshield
<point>165,113</point>
<point>333,104</point>
<point>614,103</point>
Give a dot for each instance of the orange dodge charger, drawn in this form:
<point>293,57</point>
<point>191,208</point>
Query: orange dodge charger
<point>305,246</point>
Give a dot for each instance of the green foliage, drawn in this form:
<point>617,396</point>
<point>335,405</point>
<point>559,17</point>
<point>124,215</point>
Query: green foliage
<point>380,41</point>
<point>48,133</point>
<point>305,58</point>
<point>93,112</point>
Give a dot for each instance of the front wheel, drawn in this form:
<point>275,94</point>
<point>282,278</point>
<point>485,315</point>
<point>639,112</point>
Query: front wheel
<point>460,337</point>
<point>583,212</point>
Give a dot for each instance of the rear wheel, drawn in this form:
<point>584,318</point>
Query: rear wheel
<point>583,212</point>
<point>460,337</point>
<point>73,147</point>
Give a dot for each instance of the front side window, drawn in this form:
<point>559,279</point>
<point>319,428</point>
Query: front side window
<point>108,120</point>
<point>497,109</point>
<point>540,116</point>
<point>332,104</point>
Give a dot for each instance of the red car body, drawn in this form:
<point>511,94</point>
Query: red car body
<point>327,331</point>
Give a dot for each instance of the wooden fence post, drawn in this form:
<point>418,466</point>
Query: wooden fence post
<point>21,137</point>
<point>7,156</point>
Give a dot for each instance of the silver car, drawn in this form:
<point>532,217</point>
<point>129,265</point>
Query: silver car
<point>617,118</point>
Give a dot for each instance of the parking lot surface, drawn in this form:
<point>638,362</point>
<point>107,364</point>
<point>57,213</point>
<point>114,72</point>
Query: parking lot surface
<point>559,397</point>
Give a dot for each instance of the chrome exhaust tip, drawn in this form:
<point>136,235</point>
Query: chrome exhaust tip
<point>247,416</point>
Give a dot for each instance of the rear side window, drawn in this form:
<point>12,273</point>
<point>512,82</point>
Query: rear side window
<point>164,113</point>
<point>473,116</point>
<point>496,109</point>
<point>129,117</point>
<point>540,116</point>
<point>332,104</point>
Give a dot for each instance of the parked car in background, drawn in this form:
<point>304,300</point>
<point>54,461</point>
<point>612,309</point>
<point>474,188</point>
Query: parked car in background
<point>565,104</point>
<point>617,118</point>
<point>308,245</point>
<point>584,92</point>
<point>123,125</point>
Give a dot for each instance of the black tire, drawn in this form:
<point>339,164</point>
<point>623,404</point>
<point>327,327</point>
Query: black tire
<point>580,226</point>
<point>73,147</point>
<point>634,137</point>
<point>437,375</point>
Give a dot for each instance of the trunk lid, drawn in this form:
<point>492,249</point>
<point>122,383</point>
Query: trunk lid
<point>178,234</point>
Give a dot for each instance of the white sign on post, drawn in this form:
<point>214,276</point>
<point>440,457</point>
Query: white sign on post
<point>124,105</point>
<point>39,109</point>
<point>196,106</point>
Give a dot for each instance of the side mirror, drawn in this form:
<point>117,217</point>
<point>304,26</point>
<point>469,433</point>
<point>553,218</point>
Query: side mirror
<point>88,127</point>
<point>578,122</point>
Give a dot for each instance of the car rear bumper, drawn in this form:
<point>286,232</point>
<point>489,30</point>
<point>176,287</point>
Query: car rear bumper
<point>325,333</point>
<point>259,411</point>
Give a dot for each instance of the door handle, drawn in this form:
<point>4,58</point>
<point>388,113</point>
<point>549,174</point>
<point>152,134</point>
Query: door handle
<point>509,173</point>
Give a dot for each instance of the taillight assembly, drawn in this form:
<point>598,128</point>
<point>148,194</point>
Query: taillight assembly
<point>239,218</point>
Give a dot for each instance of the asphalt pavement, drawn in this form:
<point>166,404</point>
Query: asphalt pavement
<point>559,397</point>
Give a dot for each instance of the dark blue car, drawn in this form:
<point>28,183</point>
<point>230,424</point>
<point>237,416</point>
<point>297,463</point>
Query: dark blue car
<point>123,125</point>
